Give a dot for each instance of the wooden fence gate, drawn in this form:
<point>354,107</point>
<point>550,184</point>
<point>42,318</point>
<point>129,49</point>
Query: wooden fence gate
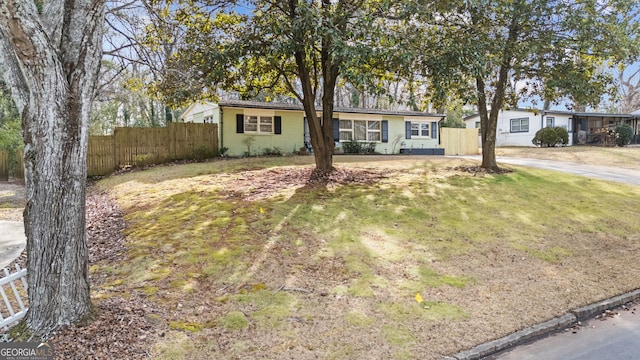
<point>457,141</point>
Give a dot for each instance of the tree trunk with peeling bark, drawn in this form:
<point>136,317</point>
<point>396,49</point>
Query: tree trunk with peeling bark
<point>51,58</point>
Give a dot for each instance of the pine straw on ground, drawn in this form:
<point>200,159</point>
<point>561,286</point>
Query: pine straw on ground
<point>121,329</point>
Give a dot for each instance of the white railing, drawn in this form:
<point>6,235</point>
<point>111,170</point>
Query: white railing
<point>14,308</point>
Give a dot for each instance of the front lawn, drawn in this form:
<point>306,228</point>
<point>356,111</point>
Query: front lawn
<point>241,260</point>
<point>624,157</point>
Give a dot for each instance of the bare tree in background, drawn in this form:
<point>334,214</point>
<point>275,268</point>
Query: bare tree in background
<point>629,80</point>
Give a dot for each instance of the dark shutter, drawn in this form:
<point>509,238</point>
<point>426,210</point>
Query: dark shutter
<point>336,130</point>
<point>240,123</point>
<point>407,129</point>
<point>385,131</point>
<point>277,125</point>
<point>434,130</point>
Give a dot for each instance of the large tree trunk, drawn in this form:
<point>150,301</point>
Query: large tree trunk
<point>488,125</point>
<point>52,61</point>
<point>320,129</point>
<point>489,119</point>
<point>322,152</point>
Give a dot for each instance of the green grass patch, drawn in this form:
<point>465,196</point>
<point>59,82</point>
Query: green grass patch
<point>553,254</point>
<point>271,309</point>
<point>358,319</point>
<point>398,335</point>
<point>189,326</point>
<point>432,279</point>
<point>234,320</point>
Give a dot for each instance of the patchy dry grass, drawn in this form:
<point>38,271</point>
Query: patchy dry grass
<point>12,201</point>
<point>625,157</point>
<point>244,267</point>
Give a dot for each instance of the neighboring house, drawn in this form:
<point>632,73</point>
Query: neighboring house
<point>518,127</point>
<point>201,112</point>
<point>258,126</point>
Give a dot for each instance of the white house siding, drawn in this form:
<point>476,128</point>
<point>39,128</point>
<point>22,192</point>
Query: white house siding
<point>561,119</point>
<point>508,135</point>
<point>198,112</point>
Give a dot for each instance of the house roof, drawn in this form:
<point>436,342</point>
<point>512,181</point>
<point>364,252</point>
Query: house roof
<point>298,107</point>
<point>558,112</point>
<point>588,114</point>
<point>193,105</point>
<point>566,112</point>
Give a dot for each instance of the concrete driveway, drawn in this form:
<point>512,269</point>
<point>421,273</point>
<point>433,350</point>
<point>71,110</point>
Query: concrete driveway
<point>12,241</point>
<point>626,176</point>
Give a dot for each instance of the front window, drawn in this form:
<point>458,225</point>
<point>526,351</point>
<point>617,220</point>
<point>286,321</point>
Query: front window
<point>550,121</point>
<point>258,124</point>
<point>520,125</point>
<point>420,129</point>
<point>360,130</point>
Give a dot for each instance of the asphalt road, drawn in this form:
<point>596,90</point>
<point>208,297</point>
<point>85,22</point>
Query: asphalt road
<point>614,338</point>
<point>626,176</point>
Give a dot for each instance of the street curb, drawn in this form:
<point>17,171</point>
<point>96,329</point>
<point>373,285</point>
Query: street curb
<point>589,311</point>
<point>565,321</point>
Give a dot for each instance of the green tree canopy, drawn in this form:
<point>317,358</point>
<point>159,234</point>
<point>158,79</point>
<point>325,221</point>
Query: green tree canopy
<point>300,48</point>
<point>492,52</point>
<point>10,127</point>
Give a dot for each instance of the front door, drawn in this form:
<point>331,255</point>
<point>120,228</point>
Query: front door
<point>307,136</point>
<point>580,131</point>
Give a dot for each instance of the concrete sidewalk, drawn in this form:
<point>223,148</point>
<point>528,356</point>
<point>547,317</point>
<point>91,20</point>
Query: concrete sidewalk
<point>12,241</point>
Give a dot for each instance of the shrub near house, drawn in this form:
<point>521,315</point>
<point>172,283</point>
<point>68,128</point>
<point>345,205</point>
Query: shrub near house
<point>551,136</point>
<point>624,134</point>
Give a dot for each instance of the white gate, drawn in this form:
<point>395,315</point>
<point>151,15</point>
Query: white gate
<point>12,292</point>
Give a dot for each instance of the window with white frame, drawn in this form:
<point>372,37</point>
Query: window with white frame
<point>551,121</point>
<point>420,129</point>
<point>520,125</point>
<point>208,119</point>
<point>258,124</point>
<point>360,130</point>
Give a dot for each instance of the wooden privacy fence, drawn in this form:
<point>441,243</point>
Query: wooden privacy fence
<point>143,146</point>
<point>458,141</point>
<point>5,159</point>
<point>20,164</point>
<point>4,165</point>
<point>13,288</point>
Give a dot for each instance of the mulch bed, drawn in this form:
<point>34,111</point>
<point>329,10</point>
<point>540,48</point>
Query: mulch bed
<point>121,329</point>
